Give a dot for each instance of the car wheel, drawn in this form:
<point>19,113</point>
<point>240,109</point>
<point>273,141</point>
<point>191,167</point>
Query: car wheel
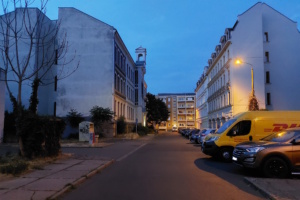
<point>225,154</point>
<point>275,167</point>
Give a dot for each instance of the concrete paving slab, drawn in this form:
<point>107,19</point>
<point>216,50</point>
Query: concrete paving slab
<point>277,188</point>
<point>17,195</point>
<point>48,184</point>
<point>94,162</point>
<point>16,183</point>
<point>81,167</point>
<point>39,174</point>
<point>2,191</point>
<point>42,195</point>
<point>68,174</point>
<point>57,167</point>
<point>68,161</point>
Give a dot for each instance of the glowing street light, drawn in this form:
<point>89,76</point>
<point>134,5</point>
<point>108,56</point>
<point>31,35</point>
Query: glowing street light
<point>253,104</point>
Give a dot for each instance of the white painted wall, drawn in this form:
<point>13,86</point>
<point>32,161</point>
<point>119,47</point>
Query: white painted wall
<point>91,42</point>
<point>284,65</point>
<point>36,57</point>
<point>247,44</point>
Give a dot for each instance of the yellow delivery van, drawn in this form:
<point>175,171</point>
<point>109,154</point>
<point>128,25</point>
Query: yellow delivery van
<point>247,126</point>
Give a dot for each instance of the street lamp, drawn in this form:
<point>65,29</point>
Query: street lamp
<point>253,103</point>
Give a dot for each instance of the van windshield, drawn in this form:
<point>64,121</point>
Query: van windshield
<point>226,125</point>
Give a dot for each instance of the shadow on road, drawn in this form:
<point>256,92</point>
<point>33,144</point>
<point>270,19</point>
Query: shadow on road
<point>229,172</point>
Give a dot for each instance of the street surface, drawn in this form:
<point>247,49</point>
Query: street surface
<point>166,167</point>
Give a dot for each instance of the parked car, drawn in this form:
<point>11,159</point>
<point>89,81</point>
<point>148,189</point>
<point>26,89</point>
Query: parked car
<point>187,132</point>
<point>277,155</point>
<point>247,126</point>
<point>193,137</point>
<point>203,134</point>
<point>193,132</point>
<point>174,129</point>
<point>184,131</point>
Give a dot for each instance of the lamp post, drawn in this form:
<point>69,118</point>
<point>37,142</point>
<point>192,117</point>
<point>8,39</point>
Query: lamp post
<point>253,103</point>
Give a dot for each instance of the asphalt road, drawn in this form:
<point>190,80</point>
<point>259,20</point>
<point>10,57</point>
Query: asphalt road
<point>167,167</point>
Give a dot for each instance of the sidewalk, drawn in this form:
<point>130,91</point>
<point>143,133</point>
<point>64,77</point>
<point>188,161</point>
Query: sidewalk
<point>52,181</point>
<point>279,189</point>
<point>59,177</point>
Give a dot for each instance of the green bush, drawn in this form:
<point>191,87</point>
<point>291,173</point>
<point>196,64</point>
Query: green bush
<point>121,125</point>
<point>141,130</point>
<point>74,118</point>
<point>100,115</point>
<point>14,166</point>
<point>53,129</point>
<point>74,136</point>
<point>32,135</point>
<point>40,135</point>
<point>9,128</point>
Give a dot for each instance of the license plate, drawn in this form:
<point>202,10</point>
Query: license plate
<point>234,158</point>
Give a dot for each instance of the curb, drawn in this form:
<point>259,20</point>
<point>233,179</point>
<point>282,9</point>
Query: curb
<point>69,186</point>
<point>261,190</point>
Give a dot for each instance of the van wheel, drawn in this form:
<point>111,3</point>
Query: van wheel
<point>225,154</point>
<point>275,167</point>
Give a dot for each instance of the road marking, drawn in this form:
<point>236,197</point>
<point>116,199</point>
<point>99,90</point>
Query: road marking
<point>126,155</point>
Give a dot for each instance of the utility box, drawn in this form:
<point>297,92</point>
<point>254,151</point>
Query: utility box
<point>86,129</point>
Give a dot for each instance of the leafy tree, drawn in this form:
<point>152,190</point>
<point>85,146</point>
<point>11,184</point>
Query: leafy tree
<point>121,125</point>
<point>74,118</point>
<point>100,115</point>
<point>157,110</point>
<point>253,103</point>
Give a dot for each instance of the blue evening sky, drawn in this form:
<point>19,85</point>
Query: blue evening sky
<point>179,35</point>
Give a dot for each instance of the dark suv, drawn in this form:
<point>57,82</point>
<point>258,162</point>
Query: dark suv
<point>277,155</point>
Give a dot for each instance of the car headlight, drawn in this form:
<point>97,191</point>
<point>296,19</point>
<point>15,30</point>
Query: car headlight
<point>255,149</point>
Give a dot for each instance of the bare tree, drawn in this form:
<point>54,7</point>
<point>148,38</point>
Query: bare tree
<point>30,49</point>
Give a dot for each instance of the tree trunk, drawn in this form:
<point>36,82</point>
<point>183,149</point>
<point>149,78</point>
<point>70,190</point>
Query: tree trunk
<point>19,119</point>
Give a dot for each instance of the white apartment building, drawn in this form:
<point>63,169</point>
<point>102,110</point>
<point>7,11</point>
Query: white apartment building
<point>201,101</point>
<point>107,75</point>
<point>265,40</point>
<point>182,110</point>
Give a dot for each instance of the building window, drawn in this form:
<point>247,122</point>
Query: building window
<point>56,57</point>
<point>268,98</point>
<point>124,110</point>
<point>227,54</point>
<point>55,83</point>
<point>267,56</point>
<point>136,97</point>
<point>136,78</point>
<point>267,77</point>
<point>266,35</point>
<point>54,109</point>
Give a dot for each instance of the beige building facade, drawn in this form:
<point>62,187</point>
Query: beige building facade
<point>182,110</point>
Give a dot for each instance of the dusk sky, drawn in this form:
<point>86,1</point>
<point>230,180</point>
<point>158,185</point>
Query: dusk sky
<point>179,35</point>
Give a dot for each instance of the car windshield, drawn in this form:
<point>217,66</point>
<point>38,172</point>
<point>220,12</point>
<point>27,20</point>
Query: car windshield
<point>226,125</point>
<point>283,136</point>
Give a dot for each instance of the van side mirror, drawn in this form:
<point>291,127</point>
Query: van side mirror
<point>231,133</point>
<point>250,138</point>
